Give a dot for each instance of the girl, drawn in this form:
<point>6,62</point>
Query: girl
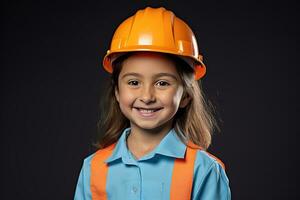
<point>157,125</point>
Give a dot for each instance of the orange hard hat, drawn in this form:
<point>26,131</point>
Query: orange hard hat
<point>155,30</point>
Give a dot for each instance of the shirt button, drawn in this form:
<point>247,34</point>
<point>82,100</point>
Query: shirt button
<point>134,190</point>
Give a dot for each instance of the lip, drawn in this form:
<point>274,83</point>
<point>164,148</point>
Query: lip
<point>147,115</point>
<point>148,108</point>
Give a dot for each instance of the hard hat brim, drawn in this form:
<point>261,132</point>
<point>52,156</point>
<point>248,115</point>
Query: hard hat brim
<point>196,63</point>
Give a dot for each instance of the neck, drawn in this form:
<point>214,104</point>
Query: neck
<point>142,141</point>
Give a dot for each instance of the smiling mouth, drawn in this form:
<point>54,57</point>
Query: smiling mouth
<point>148,110</point>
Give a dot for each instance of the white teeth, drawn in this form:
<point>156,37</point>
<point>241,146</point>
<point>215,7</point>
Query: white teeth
<point>146,111</point>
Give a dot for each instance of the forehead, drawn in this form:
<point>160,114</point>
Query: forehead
<point>149,63</point>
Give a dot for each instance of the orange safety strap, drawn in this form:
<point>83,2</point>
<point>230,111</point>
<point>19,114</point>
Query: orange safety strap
<point>182,177</point>
<point>183,172</point>
<point>99,171</point>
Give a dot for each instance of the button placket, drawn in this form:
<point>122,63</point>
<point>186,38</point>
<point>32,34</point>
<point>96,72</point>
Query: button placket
<point>133,184</point>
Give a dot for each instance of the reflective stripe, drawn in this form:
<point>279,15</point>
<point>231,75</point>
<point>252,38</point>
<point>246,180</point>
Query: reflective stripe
<point>99,171</point>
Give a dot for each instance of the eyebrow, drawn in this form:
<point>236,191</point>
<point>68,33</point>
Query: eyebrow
<point>155,76</point>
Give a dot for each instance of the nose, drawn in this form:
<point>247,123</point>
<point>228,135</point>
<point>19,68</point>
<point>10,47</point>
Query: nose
<point>147,95</point>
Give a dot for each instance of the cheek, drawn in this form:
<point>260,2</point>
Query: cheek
<point>172,98</point>
<point>126,97</point>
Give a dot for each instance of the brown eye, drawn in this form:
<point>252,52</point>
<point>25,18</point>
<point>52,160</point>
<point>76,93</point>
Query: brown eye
<point>162,83</point>
<point>133,83</point>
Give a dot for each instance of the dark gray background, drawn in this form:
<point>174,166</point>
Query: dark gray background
<point>52,82</point>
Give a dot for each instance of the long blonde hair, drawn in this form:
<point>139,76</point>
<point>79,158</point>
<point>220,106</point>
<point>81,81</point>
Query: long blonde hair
<point>194,123</point>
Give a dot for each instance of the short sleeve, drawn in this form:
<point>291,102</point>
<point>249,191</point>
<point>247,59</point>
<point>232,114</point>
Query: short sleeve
<point>213,184</point>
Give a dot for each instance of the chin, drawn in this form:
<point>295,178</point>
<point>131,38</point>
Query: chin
<point>151,126</point>
<point>147,126</point>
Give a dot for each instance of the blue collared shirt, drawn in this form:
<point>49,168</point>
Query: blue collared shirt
<point>149,178</point>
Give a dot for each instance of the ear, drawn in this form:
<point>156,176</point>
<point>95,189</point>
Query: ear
<point>185,101</point>
<point>117,94</point>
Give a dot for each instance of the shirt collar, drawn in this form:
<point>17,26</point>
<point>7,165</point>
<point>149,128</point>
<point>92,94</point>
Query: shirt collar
<point>170,146</point>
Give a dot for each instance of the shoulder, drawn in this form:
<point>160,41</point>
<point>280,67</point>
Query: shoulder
<point>87,161</point>
<point>100,153</point>
<point>207,159</point>
<point>204,157</point>
<point>207,164</point>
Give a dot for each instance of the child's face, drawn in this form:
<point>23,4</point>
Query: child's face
<point>149,91</point>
